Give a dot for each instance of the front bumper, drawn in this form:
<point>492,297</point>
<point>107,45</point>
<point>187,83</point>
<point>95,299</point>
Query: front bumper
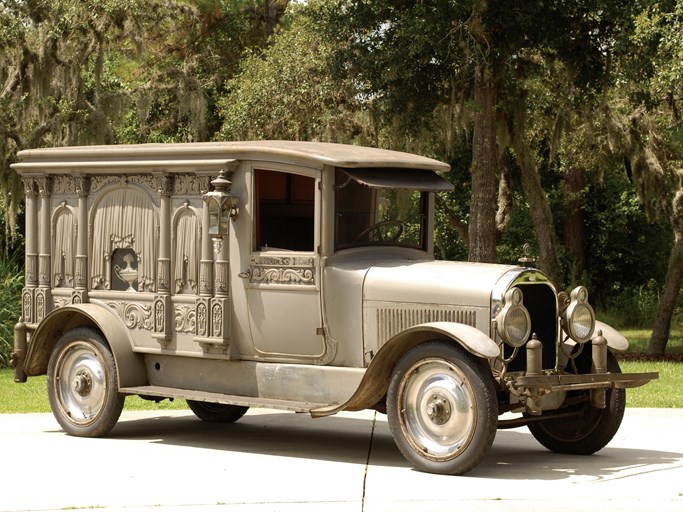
<point>572,382</point>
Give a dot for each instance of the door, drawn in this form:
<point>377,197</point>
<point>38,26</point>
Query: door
<point>282,282</point>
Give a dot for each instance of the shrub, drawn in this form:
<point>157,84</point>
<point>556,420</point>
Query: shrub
<point>11,283</point>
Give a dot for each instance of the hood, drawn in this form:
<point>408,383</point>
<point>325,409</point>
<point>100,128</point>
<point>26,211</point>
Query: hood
<point>434,282</point>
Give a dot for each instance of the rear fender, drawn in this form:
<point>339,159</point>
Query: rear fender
<point>375,382</point>
<point>130,367</point>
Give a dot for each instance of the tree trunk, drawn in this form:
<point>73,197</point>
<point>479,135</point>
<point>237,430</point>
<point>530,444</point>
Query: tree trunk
<point>667,302</point>
<point>537,199</point>
<point>574,239</point>
<point>482,222</point>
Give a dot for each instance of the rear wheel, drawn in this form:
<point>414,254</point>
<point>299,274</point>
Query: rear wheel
<point>217,413</point>
<point>442,408</point>
<point>82,384</point>
<point>591,429</point>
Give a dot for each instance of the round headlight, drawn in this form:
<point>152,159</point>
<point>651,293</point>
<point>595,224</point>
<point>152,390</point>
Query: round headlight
<point>513,322</point>
<point>579,318</point>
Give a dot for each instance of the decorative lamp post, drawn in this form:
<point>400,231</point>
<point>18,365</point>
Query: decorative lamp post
<point>222,207</point>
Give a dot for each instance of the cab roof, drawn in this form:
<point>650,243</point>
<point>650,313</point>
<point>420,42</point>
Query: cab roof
<point>210,156</point>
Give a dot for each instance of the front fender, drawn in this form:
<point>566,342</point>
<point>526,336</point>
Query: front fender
<point>375,382</point>
<point>615,340</point>
<point>130,367</point>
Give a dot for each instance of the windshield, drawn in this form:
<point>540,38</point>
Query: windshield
<point>377,215</point>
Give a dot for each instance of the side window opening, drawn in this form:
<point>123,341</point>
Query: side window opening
<point>285,206</point>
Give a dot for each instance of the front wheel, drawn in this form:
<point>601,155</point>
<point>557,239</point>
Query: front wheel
<point>442,408</point>
<point>82,384</point>
<point>591,429</point>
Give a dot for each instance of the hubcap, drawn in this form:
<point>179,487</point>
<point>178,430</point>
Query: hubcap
<point>437,409</point>
<point>80,383</point>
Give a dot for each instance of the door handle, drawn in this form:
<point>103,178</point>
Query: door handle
<point>245,275</point>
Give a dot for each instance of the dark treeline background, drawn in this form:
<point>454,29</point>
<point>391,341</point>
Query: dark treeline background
<point>560,118</point>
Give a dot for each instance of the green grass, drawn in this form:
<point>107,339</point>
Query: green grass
<point>638,340</point>
<point>665,392</point>
<point>32,397</point>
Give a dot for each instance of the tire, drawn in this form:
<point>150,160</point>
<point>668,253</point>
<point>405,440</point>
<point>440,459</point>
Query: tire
<point>217,413</point>
<point>442,408</point>
<point>592,430</point>
<point>82,384</point>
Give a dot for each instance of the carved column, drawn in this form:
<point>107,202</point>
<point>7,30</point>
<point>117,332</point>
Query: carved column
<point>43,296</point>
<point>206,262</point>
<point>31,272</point>
<point>164,261</point>
<point>203,303</point>
<point>162,301</point>
<point>80,293</point>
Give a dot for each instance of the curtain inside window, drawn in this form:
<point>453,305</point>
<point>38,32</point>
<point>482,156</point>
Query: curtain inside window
<point>63,253</point>
<point>124,217</point>
<point>185,268</point>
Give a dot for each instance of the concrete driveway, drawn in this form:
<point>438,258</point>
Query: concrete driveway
<point>275,461</point>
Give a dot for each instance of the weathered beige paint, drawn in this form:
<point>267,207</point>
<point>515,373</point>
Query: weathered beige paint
<point>325,341</point>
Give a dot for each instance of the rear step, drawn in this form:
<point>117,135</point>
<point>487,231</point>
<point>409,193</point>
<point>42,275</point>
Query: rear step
<point>220,398</point>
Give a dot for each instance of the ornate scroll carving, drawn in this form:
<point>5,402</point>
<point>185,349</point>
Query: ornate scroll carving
<point>187,184</point>
<point>144,180</point>
<point>27,305</point>
<point>61,302</point>
<point>64,185</point>
<point>202,317</point>
<point>82,185</point>
<point>162,319</point>
<point>165,185</point>
<point>45,185</point>
<point>134,315</point>
<point>217,319</point>
<point>43,303</point>
<point>185,318</point>
<point>283,270</point>
<point>29,186</point>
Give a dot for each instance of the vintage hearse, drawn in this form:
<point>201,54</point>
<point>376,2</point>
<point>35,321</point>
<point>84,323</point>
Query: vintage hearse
<point>298,276</point>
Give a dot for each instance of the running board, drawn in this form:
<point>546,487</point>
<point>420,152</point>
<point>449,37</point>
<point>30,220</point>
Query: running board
<point>220,398</point>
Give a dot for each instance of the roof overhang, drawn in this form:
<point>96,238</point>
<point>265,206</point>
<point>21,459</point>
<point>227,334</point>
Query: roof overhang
<point>409,179</point>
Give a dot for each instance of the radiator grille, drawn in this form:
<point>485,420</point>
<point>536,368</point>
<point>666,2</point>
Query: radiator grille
<point>391,321</point>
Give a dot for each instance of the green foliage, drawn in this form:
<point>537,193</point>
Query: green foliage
<point>286,92</point>
<point>11,283</point>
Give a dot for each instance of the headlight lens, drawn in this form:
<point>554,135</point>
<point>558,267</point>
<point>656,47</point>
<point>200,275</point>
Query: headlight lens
<point>579,319</point>
<point>513,322</point>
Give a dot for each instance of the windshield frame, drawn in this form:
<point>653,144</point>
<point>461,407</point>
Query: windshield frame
<point>367,201</point>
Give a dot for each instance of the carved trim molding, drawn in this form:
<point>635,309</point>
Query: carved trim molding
<point>146,181</point>
<point>134,315</point>
<point>185,318</point>
<point>27,311</point>
<point>188,184</point>
<point>294,270</point>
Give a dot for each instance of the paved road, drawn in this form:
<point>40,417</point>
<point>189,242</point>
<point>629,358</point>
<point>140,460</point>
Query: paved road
<point>275,461</point>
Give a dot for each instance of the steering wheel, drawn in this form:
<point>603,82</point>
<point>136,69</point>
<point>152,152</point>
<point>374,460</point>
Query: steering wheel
<point>374,232</point>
